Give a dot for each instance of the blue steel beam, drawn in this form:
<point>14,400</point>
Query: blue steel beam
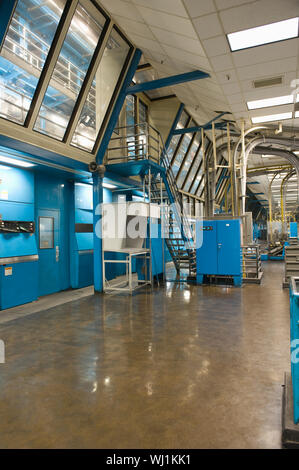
<point>7,8</point>
<point>167,81</point>
<point>118,106</point>
<point>206,126</point>
<point>187,130</point>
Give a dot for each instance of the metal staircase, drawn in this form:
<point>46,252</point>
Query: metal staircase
<point>176,226</point>
<point>145,143</point>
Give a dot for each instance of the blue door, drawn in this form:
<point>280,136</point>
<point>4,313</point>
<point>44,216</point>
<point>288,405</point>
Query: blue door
<point>207,235</point>
<point>228,247</point>
<point>49,251</point>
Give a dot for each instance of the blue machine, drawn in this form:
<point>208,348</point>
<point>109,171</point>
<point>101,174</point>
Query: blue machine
<point>220,253</point>
<point>293,230</point>
<point>18,250</point>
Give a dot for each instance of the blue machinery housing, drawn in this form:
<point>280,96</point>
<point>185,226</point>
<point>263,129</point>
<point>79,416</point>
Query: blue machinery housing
<point>220,253</point>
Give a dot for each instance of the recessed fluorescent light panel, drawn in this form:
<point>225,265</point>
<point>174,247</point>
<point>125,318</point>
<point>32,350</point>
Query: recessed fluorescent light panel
<point>15,162</point>
<point>265,103</point>
<point>109,186</point>
<point>271,117</point>
<point>296,114</point>
<point>265,34</point>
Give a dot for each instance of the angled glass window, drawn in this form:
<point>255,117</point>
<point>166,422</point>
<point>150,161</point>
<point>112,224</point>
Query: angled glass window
<point>178,159</point>
<point>143,112</point>
<point>176,164</point>
<point>23,54</point>
<point>172,146</point>
<point>130,104</point>
<point>104,84</point>
<point>187,164</point>
<point>69,72</point>
<point>183,120</point>
<point>200,190</point>
<point>197,181</point>
<point>193,171</point>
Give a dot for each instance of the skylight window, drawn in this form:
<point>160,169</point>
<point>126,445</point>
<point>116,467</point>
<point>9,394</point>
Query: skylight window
<point>265,103</point>
<point>271,117</point>
<point>265,34</point>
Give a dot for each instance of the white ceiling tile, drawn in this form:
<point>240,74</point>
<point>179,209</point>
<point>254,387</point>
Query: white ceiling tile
<point>147,44</point>
<point>222,62</point>
<point>121,8</point>
<point>235,98</point>
<point>187,57</point>
<point>268,52</point>
<point>227,76</point>
<point>258,13</point>
<point>267,68</point>
<point>168,22</point>
<point>241,115</point>
<point>207,85</point>
<point>238,108</point>
<point>197,8</point>
<point>272,110</point>
<point>176,40</point>
<point>206,93</point>
<point>174,6</point>
<point>221,4</point>
<point>231,88</point>
<point>208,26</point>
<point>251,93</point>
<point>216,46</point>
<point>131,26</point>
<point>153,56</point>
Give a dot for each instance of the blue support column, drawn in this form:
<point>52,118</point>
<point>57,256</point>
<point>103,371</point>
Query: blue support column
<point>6,11</point>
<point>97,231</point>
<point>118,105</point>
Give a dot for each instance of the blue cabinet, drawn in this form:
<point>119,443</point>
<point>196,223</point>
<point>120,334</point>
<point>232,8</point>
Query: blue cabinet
<point>219,249</point>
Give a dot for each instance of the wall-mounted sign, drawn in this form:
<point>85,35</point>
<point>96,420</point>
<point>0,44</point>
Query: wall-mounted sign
<point>4,194</point>
<point>8,271</point>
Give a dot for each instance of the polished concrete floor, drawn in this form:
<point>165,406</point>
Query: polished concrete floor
<point>182,367</point>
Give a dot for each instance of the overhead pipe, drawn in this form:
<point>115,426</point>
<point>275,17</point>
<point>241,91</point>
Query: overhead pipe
<point>253,145</point>
<point>282,195</point>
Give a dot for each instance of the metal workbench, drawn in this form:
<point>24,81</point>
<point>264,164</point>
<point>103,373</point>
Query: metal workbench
<point>126,284</point>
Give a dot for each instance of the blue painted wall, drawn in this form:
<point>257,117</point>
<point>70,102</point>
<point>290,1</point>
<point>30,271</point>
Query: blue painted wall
<point>81,244</point>
<point>27,195</point>
<point>17,204</point>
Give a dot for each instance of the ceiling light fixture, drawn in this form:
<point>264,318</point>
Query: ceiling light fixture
<point>271,117</point>
<point>265,34</point>
<point>265,103</point>
<point>12,161</point>
<point>109,186</point>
